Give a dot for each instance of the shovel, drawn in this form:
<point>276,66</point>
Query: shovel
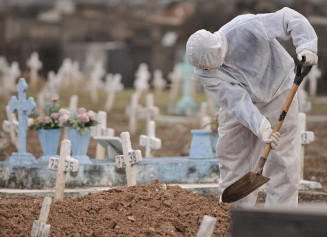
<point>253,180</point>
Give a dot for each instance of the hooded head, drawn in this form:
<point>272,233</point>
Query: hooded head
<point>205,50</point>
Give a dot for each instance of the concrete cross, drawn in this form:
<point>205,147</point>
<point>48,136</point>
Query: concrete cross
<point>133,111</point>
<point>101,130</point>
<point>176,79</point>
<point>11,126</point>
<point>40,227</point>
<point>149,141</point>
<point>73,103</point>
<point>35,65</point>
<point>141,83</point>
<point>11,74</point>
<point>113,85</point>
<point>53,82</point>
<point>24,108</point>
<point>159,82</point>
<point>65,163</point>
<point>96,82</point>
<point>129,158</point>
<point>313,77</point>
<point>150,110</point>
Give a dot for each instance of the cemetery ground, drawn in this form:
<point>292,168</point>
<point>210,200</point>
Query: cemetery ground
<point>143,210</point>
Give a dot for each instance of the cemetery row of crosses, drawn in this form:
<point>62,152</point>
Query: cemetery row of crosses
<point>74,125</point>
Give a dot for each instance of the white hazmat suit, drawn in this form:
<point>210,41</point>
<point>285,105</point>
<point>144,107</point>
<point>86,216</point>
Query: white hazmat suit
<point>249,74</point>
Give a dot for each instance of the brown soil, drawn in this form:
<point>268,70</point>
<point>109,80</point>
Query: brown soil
<point>144,210</point>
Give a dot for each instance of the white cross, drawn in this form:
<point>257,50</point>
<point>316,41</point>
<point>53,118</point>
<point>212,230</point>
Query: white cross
<point>11,126</point>
<point>11,74</point>
<point>133,111</point>
<point>176,79</point>
<point>150,141</point>
<point>40,227</point>
<point>129,158</point>
<point>73,103</point>
<point>65,163</point>
<point>35,65</point>
<point>113,85</point>
<point>96,82</point>
<point>53,82</point>
<point>141,83</point>
<point>3,64</point>
<point>24,108</point>
<point>150,110</point>
<point>306,138</point>
<point>313,77</point>
<point>159,82</point>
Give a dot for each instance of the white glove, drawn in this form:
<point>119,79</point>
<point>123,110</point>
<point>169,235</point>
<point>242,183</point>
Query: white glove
<point>310,57</point>
<point>267,135</point>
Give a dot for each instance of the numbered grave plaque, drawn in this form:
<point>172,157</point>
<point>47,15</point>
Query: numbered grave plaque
<point>134,157</point>
<point>71,164</point>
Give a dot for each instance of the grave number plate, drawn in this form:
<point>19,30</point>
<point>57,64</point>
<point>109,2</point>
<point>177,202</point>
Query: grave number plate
<point>134,157</point>
<point>71,164</point>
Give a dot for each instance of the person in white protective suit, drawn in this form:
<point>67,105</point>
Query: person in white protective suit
<point>249,74</point>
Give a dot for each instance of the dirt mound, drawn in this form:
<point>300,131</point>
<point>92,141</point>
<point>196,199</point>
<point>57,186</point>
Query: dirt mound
<point>143,210</point>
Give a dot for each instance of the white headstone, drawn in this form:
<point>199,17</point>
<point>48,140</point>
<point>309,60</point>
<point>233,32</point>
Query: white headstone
<point>129,158</point>
<point>159,82</point>
<point>141,83</point>
<point>113,85</point>
<point>40,228</point>
<point>150,141</point>
<point>35,65</point>
<point>64,164</point>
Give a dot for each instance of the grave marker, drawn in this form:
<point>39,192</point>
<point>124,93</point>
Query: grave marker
<point>149,141</point>
<point>207,226</point>
<point>141,83</point>
<point>65,163</point>
<point>204,118</point>
<point>159,82</point>
<point>40,228</point>
<point>73,103</point>
<point>35,65</point>
<point>313,77</point>
<point>100,152</point>
<point>96,82</point>
<point>11,126</point>
<point>24,107</point>
<point>9,79</point>
<point>129,158</point>
<point>132,111</point>
<point>150,110</point>
<point>113,85</point>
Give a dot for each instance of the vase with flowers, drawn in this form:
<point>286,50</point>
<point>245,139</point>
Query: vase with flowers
<point>48,129</point>
<point>79,134</point>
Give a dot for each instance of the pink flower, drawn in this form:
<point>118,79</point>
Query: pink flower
<point>54,99</point>
<point>92,115</point>
<point>40,120</point>
<point>63,118</point>
<point>55,115</point>
<point>83,117</point>
<point>47,119</point>
<point>64,111</point>
<point>81,110</point>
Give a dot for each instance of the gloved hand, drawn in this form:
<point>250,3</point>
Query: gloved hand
<point>310,57</point>
<point>267,135</point>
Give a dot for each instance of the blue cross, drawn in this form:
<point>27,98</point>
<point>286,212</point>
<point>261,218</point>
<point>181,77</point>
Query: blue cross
<point>24,108</point>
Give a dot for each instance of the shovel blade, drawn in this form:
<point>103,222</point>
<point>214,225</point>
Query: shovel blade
<point>244,186</point>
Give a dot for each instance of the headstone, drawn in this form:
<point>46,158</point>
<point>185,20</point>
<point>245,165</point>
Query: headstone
<point>149,141</point>
<point>313,77</point>
<point>96,83</point>
<point>150,110</point>
<point>159,82</point>
<point>11,126</point>
<point>35,65</point>
<point>40,227</point>
<point>129,158</point>
<point>100,151</point>
<point>113,85</point>
<point>306,138</point>
<point>176,80</point>
<point>141,83</point>
<point>207,226</point>
<point>65,163</point>
<point>73,103</point>
<point>132,111</point>
<point>24,107</point>
<point>9,79</point>
<point>187,105</point>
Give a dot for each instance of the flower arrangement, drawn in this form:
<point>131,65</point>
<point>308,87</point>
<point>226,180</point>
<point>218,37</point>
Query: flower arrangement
<point>50,121</point>
<point>80,120</point>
